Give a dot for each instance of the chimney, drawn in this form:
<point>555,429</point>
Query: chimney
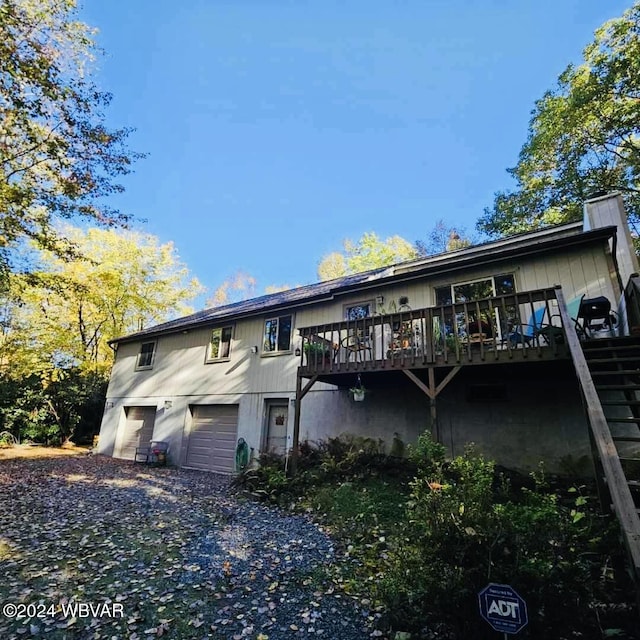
<point>608,210</point>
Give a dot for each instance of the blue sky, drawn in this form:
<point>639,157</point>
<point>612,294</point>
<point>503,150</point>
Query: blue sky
<point>275,128</point>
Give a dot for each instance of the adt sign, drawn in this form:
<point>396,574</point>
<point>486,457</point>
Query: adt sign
<point>503,608</point>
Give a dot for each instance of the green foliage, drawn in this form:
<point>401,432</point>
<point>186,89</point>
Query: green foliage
<point>427,454</point>
<point>583,137</point>
<point>57,322</point>
<point>50,410</point>
<point>63,314</point>
<point>7,440</point>
<point>369,252</point>
<point>421,549</point>
<point>57,158</point>
<point>344,458</point>
<point>466,528</point>
<point>316,350</point>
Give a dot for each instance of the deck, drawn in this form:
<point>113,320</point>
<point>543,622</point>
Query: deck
<point>512,328</point>
<point>522,327</point>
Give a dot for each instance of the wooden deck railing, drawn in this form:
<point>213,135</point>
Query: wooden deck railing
<point>479,330</point>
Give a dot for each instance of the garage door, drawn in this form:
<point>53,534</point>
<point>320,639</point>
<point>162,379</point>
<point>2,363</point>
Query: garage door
<point>138,430</point>
<point>212,441</point>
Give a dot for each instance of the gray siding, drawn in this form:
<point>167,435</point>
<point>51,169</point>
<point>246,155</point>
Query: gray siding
<point>180,377</point>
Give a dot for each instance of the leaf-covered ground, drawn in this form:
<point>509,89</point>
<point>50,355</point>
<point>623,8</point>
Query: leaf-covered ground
<point>158,553</point>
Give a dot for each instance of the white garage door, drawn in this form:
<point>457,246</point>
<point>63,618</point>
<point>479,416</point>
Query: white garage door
<point>212,441</point>
<point>138,430</point>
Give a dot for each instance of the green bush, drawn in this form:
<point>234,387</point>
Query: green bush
<point>7,440</point>
<point>422,536</point>
<point>326,462</point>
<point>49,409</point>
<point>465,530</point>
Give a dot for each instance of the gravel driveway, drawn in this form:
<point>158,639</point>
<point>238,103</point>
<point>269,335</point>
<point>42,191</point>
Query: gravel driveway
<point>183,556</point>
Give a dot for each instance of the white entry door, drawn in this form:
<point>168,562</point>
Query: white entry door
<point>277,420</point>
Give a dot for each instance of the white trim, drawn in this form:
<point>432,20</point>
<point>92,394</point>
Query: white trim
<point>222,327</point>
<point>277,352</point>
<point>146,367</point>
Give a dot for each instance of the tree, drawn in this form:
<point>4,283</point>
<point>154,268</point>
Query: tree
<point>443,238</point>
<point>240,286</point>
<point>369,252</point>
<point>58,319</point>
<point>57,157</point>
<point>67,311</point>
<point>583,137</point>
<point>279,288</point>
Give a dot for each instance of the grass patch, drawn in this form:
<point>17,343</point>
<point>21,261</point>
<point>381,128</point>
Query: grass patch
<point>18,451</point>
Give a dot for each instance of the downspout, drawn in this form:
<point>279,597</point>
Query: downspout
<point>614,251</point>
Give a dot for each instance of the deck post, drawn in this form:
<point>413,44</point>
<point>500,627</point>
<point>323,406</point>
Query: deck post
<point>432,405</point>
<point>432,391</point>
<point>295,448</point>
<point>301,392</point>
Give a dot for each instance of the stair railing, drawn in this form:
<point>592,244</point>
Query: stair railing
<point>623,504</point>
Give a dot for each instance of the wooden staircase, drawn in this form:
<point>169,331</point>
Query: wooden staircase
<point>614,364</point>
<point>608,372</point>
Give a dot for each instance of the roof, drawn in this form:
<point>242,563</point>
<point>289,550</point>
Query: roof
<point>519,245</point>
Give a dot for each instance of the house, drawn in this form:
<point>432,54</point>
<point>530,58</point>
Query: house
<point>469,343</point>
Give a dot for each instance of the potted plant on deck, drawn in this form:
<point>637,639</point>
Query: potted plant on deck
<point>317,353</point>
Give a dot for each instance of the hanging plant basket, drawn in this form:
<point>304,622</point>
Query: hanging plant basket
<point>358,391</point>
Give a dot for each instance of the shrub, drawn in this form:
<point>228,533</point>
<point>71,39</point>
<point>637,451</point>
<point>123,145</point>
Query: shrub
<point>331,461</point>
<point>422,536</point>
<point>7,440</point>
<point>50,409</point>
<point>465,530</point>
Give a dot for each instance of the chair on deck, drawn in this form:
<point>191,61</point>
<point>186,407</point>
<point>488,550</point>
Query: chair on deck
<point>357,343</point>
<point>587,314</point>
<point>534,332</point>
<point>480,332</point>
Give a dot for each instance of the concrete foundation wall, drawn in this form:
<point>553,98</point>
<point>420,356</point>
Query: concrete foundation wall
<point>539,416</point>
<point>517,415</point>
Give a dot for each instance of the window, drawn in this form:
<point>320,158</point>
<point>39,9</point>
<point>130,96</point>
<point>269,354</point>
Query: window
<point>499,285</point>
<point>277,334</point>
<point>219,347</point>
<point>358,311</point>
<point>145,357</point>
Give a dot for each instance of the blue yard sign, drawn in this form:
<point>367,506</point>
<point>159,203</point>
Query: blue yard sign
<point>503,608</point>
